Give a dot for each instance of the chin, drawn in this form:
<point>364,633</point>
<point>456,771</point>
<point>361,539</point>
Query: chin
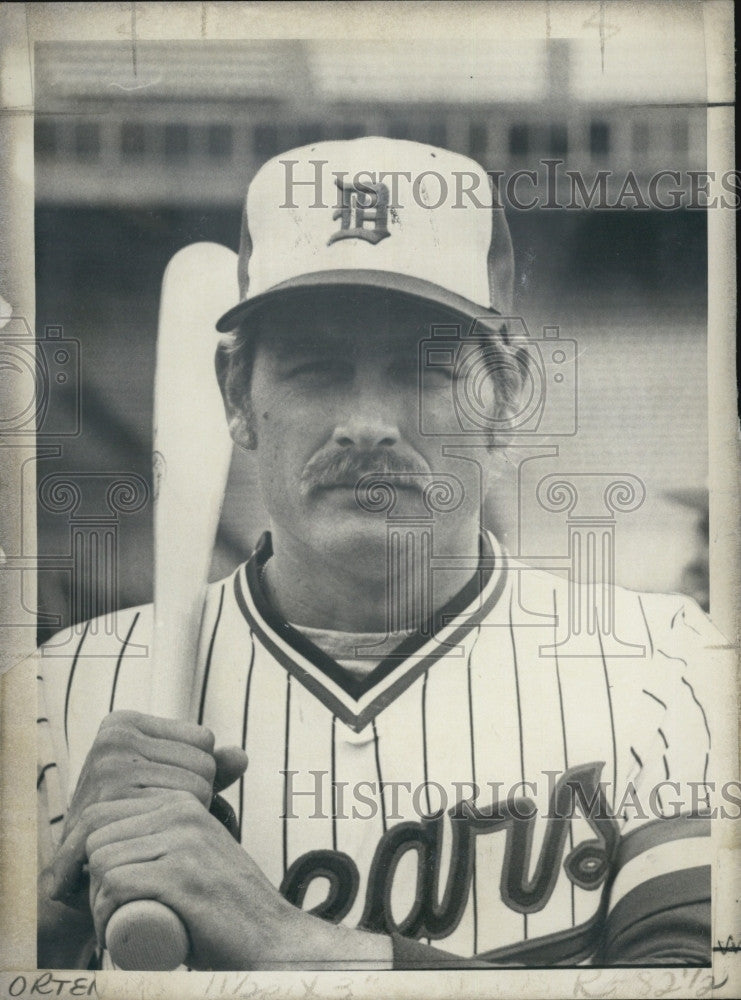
<point>353,536</point>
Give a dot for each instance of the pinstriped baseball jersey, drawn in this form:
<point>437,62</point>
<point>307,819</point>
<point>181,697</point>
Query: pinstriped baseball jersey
<point>490,790</point>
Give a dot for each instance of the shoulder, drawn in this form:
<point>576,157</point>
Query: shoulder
<point>685,646</point>
<point>668,621</point>
<point>638,633</point>
<point>677,621</point>
<point>96,636</point>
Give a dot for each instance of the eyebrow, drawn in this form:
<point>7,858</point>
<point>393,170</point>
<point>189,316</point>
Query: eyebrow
<point>285,346</point>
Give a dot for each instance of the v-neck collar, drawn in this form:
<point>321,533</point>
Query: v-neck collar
<point>356,701</point>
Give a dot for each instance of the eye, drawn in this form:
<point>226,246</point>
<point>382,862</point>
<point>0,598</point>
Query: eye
<point>440,373</point>
<point>438,376</point>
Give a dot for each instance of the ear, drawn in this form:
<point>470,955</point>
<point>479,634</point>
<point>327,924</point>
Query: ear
<point>499,442</point>
<point>501,435</point>
<point>238,413</point>
<point>508,407</point>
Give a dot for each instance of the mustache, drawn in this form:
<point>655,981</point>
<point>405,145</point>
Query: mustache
<point>347,466</point>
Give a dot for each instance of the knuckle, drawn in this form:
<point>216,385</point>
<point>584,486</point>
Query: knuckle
<point>110,782</point>
<point>174,810</point>
<point>112,737</point>
<point>206,738</point>
<point>95,865</point>
<point>121,717</point>
<point>111,883</point>
<point>88,814</point>
<point>57,869</point>
<point>91,817</point>
<point>93,845</point>
<point>108,721</point>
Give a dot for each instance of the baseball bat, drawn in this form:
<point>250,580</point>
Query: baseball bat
<point>192,451</point>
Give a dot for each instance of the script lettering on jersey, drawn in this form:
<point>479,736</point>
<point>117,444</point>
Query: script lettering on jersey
<point>361,205</point>
<point>437,908</point>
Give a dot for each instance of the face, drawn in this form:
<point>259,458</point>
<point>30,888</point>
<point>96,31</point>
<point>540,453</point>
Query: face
<point>338,392</point>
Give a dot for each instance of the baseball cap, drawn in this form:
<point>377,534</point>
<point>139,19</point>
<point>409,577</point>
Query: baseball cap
<point>378,213</point>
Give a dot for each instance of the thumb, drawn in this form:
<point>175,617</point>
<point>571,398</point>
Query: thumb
<point>231,763</point>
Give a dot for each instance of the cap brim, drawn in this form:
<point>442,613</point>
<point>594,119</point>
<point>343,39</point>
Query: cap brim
<point>414,289</point>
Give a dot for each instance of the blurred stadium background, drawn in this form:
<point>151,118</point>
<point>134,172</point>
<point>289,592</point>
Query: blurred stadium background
<point>140,153</point>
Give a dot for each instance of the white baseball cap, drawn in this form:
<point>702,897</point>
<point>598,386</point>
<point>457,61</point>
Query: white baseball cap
<point>377,213</point>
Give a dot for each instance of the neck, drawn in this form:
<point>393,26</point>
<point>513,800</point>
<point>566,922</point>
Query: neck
<point>349,593</point>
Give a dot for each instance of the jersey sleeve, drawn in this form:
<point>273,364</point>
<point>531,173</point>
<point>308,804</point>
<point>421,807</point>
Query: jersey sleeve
<point>659,900</point>
<point>55,664</point>
<point>51,805</point>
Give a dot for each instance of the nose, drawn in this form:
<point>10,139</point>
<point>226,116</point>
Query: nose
<point>366,429</point>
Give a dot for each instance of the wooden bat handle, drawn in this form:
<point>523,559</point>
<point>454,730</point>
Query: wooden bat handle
<point>146,935</point>
<point>199,284</point>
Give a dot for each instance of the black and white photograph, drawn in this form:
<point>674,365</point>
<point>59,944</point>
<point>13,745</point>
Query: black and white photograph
<point>368,546</point>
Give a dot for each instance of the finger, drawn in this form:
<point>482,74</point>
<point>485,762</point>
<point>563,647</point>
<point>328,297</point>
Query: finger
<point>134,850</point>
<point>179,754</point>
<point>116,779</point>
<point>122,739</point>
<point>231,763</point>
<point>67,867</point>
<point>170,815</point>
<point>170,778</point>
<point>140,880</point>
<point>179,730</point>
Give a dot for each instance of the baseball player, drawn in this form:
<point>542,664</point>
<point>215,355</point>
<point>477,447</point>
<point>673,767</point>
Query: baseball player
<point>398,761</point>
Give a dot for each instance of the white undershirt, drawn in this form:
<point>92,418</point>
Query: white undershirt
<point>356,652</point>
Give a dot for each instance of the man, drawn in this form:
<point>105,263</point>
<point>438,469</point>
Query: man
<point>427,782</point>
